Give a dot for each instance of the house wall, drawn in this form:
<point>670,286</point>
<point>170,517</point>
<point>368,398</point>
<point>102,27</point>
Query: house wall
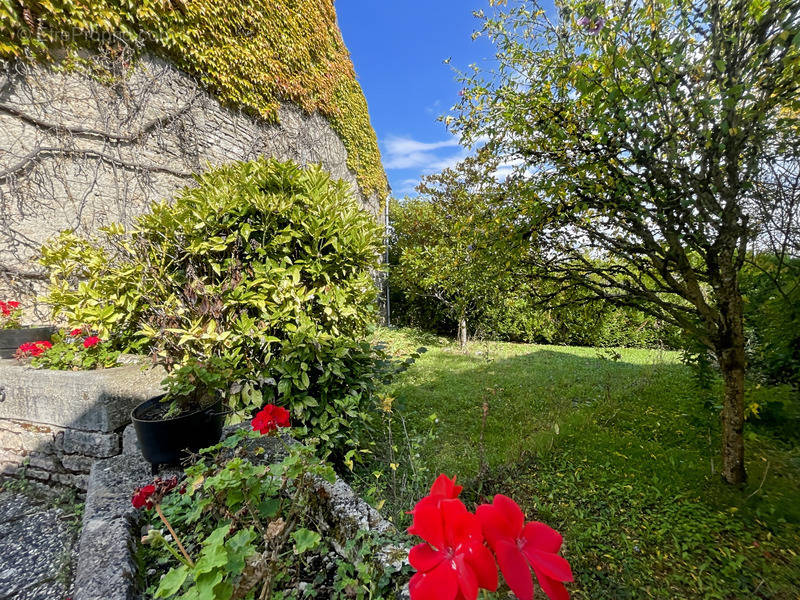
<point>80,150</point>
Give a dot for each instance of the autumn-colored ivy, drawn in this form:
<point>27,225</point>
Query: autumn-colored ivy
<point>251,54</point>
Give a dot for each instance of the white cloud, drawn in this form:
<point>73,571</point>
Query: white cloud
<point>406,187</point>
<point>505,169</point>
<point>425,158</point>
<point>407,153</point>
<point>446,162</point>
<point>435,108</point>
<point>402,145</point>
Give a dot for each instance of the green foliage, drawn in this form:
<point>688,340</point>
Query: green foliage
<point>574,320</point>
<point>251,530</point>
<point>620,456</point>
<point>68,353</point>
<point>253,54</point>
<point>453,245</point>
<point>262,272</point>
<point>439,254</point>
<point>772,319</point>
<point>358,576</point>
<point>514,314</point>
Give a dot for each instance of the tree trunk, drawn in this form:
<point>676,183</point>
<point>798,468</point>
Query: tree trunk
<point>732,364</point>
<point>462,332</point>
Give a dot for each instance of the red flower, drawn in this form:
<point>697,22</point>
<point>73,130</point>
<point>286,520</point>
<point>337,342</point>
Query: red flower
<point>149,495</point>
<point>76,332</point>
<point>141,498</point>
<point>90,341</point>
<point>8,307</point>
<point>520,547</point>
<point>33,348</point>
<point>443,488</point>
<point>270,418</point>
<point>454,562</point>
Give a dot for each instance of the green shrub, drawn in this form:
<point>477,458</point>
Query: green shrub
<point>772,319</point>
<point>264,270</point>
<point>514,317</point>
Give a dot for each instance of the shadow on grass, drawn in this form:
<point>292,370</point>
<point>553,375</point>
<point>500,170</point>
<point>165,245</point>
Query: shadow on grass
<point>622,458</point>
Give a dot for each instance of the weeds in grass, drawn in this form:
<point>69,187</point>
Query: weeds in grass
<point>619,455</point>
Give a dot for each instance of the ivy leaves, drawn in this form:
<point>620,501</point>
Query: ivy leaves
<point>253,54</point>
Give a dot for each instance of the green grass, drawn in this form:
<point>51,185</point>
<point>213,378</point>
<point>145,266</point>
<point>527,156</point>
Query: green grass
<point>621,456</point>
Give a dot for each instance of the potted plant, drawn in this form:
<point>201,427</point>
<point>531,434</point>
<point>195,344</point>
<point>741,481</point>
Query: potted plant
<point>13,334</point>
<point>188,417</point>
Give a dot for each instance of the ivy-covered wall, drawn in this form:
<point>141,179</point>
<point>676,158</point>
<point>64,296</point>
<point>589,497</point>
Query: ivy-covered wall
<point>109,105</point>
<point>251,54</point>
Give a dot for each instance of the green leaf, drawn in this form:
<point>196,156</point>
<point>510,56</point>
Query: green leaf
<point>172,582</point>
<point>305,539</point>
<point>269,508</point>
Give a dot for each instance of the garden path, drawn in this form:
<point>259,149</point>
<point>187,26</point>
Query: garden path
<point>37,543</point>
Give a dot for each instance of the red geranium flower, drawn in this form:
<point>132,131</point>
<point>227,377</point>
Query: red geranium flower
<point>520,547</point>
<point>443,488</point>
<point>4,308</point>
<point>454,562</point>
<point>269,418</point>
<point>33,348</point>
<point>149,495</point>
<point>90,341</point>
<point>76,332</point>
<point>141,498</point>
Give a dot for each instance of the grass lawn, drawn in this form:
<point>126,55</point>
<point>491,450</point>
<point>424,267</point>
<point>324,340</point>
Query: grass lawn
<point>621,456</point>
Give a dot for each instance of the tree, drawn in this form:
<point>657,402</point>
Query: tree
<point>644,133</point>
<point>450,242</point>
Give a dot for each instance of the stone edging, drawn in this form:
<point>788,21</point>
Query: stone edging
<point>107,569</point>
<point>55,424</point>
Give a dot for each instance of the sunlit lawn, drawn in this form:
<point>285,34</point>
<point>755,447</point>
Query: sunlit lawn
<point>621,456</point>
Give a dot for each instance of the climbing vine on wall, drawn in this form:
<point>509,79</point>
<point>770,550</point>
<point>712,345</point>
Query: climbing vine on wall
<point>251,54</point>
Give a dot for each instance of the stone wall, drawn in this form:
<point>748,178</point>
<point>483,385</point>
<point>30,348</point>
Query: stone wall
<point>56,424</point>
<point>107,566</point>
<point>80,151</point>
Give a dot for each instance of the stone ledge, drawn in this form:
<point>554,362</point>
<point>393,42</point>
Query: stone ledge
<point>98,400</point>
<point>106,567</point>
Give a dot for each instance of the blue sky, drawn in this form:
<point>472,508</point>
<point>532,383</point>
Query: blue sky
<point>398,48</point>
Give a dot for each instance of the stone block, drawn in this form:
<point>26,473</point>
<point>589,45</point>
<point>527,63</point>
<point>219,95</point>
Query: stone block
<point>39,474</point>
<point>77,463</point>
<point>48,462</point>
<point>99,400</point>
<point>130,443</point>
<point>9,439</point>
<point>64,479</point>
<point>90,443</point>
<point>23,435</point>
<point>9,468</point>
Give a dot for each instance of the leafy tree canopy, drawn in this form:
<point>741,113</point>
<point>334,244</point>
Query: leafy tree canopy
<point>644,134</point>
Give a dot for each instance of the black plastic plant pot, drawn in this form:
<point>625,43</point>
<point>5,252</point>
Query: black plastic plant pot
<point>166,441</point>
<point>11,339</point>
